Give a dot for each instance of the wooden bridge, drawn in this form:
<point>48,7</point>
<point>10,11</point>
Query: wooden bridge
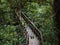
<point>34,36</point>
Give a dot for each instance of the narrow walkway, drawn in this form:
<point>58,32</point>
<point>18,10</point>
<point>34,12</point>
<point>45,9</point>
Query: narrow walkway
<point>33,40</point>
<point>33,35</point>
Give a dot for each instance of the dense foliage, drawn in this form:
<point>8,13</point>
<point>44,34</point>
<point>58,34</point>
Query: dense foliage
<point>40,13</point>
<point>42,16</point>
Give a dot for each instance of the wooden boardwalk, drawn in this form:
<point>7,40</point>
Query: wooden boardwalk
<point>34,36</point>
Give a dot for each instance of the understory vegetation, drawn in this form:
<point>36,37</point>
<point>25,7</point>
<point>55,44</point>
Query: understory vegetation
<point>41,13</point>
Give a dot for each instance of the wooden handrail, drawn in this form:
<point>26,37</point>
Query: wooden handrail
<point>33,27</point>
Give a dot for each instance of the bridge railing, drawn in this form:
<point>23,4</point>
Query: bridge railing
<point>30,24</point>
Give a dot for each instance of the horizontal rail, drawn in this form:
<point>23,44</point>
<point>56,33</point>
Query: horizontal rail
<point>32,26</point>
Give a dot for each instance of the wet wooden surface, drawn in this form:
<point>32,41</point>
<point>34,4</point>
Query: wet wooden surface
<point>33,40</point>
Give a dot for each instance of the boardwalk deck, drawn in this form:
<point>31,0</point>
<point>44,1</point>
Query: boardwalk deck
<point>33,33</point>
<point>33,40</point>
